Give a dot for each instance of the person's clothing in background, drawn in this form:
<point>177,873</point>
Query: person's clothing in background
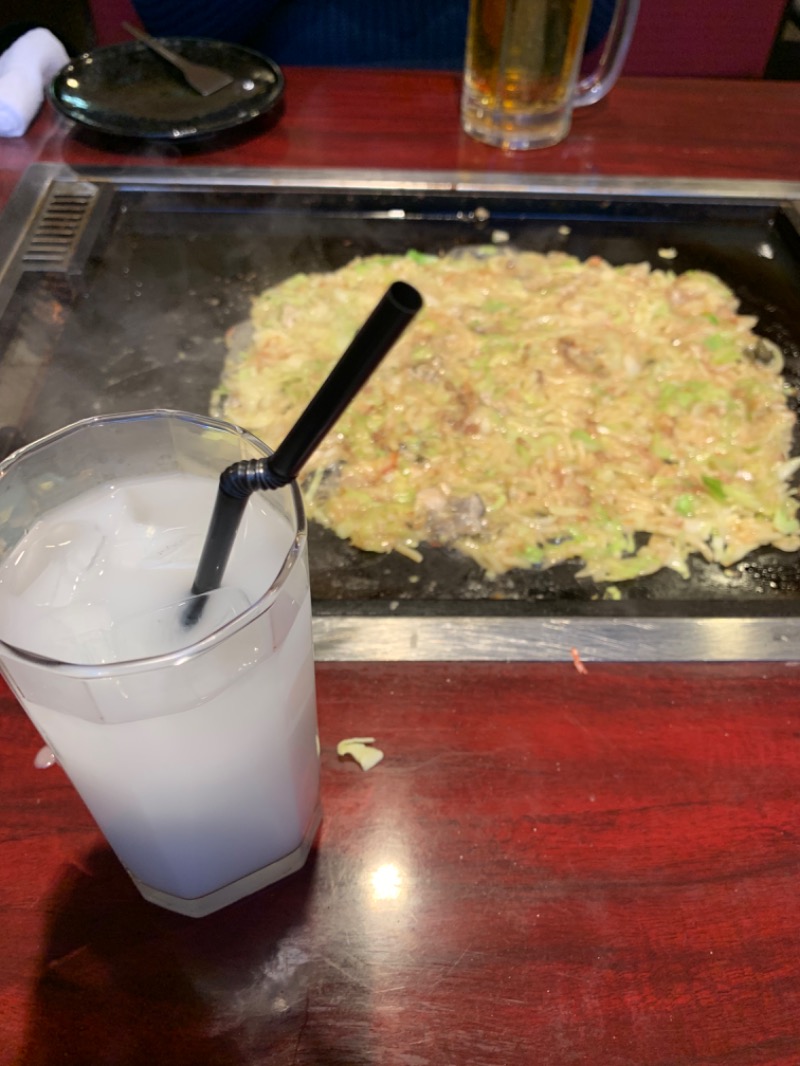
<point>416,34</point>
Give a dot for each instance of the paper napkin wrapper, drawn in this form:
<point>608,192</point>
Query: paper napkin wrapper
<point>26,69</point>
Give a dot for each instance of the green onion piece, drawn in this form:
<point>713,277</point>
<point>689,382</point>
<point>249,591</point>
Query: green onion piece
<point>714,488</point>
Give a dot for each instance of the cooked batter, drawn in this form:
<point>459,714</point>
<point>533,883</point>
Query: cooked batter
<point>538,409</point>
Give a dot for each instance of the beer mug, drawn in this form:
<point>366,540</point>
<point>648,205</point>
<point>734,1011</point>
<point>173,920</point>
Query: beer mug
<point>522,68</point>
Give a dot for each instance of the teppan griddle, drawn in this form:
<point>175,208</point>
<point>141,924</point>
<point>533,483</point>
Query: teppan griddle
<point>120,285</point>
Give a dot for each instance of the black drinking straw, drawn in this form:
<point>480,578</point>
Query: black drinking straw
<point>395,310</point>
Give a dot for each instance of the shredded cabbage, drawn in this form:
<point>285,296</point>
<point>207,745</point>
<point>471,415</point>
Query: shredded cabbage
<point>539,409</point>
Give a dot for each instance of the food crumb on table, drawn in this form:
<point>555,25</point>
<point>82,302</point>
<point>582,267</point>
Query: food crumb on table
<point>358,748</point>
<point>579,664</point>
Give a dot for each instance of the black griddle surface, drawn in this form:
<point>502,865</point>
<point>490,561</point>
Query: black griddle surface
<point>143,324</point>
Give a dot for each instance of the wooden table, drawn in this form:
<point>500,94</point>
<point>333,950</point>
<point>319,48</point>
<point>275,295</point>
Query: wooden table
<point>335,118</point>
<point>548,867</point>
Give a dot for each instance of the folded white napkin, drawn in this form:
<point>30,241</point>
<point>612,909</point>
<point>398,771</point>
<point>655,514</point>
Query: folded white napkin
<point>26,68</point>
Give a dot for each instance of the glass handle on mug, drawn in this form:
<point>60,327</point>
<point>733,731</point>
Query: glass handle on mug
<point>594,86</point>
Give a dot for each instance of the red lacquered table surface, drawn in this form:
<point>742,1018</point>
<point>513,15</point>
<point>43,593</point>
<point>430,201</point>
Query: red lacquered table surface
<point>334,118</point>
<point>548,866</point>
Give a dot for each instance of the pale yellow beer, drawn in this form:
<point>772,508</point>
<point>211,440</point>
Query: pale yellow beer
<point>521,69</point>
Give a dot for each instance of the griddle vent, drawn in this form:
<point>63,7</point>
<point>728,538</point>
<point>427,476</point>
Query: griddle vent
<point>54,238</point>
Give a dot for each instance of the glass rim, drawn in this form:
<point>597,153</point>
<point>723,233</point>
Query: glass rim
<point>123,667</point>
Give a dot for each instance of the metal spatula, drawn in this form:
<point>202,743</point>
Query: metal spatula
<point>203,79</point>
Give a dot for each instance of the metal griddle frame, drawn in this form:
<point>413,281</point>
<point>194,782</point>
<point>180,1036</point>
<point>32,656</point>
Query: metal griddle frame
<point>50,224</point>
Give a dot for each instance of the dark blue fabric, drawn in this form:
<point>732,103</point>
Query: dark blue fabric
<point>416,34</point>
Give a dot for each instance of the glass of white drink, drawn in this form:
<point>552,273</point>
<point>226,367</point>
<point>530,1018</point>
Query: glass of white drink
<point>194,745</point>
